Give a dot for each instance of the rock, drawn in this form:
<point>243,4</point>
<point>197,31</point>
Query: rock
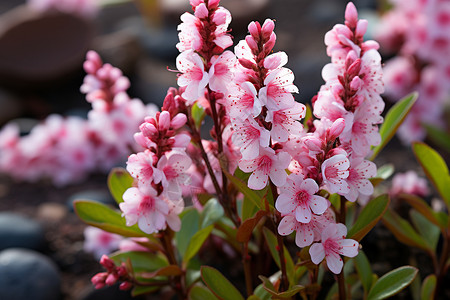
<point>18,231</point>
<point>93,195</point>
<point>26,274</point>
<point>51,212</point>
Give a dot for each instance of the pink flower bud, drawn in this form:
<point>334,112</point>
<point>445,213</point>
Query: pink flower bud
<point>354,68</point>
<point>267,29</point>
<point>212,4</point>
<point>361,28</point>
<point>194,3</point>
<point>351,15</point>
<point>255,29</point>
<point>251,43</point>
<point>122,271</point>
<point>164,121</point>
<point>201,11</point>
<point>178,121</point>
<point>246,63</point>
<point>149,130</point>
<point>111,279</point>
<point>313,143</point>
<point>356,83</point>
<point>181,140</point>
<point>350,59</point>
<point>125,286</point>
<point>270,43</point>
<point>99,278</point>
<point>107,262</point>
<point>336,129</point>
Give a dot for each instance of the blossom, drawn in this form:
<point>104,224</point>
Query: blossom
<point>334,172</point>
<point>267,164</point>
<point>221,71</point>
<point>243,101</point>
<point>193,75</point>
<point>297,196</point>
<point>278,86</point>
<point>358,178</point>
<point>286,122</point>
<point>410,183</point>
<point>332,246</point>
<point>143,206</point>
<point>100,242</point>
<point>140,166</point>
<point>249,137</point>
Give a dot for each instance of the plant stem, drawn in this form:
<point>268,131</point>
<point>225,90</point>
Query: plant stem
<point>442,264</point>
<point>342,211</point>
<point>178,282</point>
<point>247,269</point>
<point>341,285</point>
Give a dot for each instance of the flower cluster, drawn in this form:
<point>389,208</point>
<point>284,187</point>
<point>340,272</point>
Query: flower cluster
<point>330,156</point>
<point>418,33</point>
<point>409,183</point>
<point>159,170</point>
<point>112,275</point>
<point>65,150</point>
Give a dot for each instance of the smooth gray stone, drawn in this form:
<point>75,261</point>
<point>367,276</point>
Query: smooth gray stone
<point>28,275</point>
<point>18,231</point>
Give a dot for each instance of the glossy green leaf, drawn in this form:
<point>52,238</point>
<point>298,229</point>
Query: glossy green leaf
<point>244,189</point>
<point>364,270</point>
<point>394,118</point>
<point>197,242</point>
<point>212,212</point>
<point>253,297</point>
<point>119,180</point>
<point>199,292</point>
<point>248,209</point>
<point>170,270</point>
<point>198,114</point>
<point>422,207</point>
<point>268,286</point>
<point>141,261</point>
<point>435,168</point>
<point>261,292</point>
<point>429,232</point>
<point>369,217</point>
<point>189,226</point>
<point>142,290</point>
<point>102,216</point>
<point>403,230</point>
<point>438,136</point>
<point>219,285</point>
<point>428,287</point>
<point>308,116</point>
<point>392,283</point>
<point>272,243</point>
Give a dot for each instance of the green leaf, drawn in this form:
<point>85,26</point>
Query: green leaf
<point>108,219</point>
<point>261,292</point>
<point>141,261</point>
<point>268,286</point>
<point>199,292</point>
<point>428,287</point>
<point>438,136</point>
<point>248,209</point>
<point>392,283</point>
<point>403,230</point>
<point>244,189</point>
<point>141,290</point>
<point>119,180</point>
<point>170,270</point>
<point>429,232</point>
<point>189,226</point>
<point>364,270</point>
<point>253,297</point>
<point>369,217</point>
<point>435,168</point>
<point>196,242</point>
<point>272,243</point>
<point>219,285</point>
<point>422,207</point>
<point>198,114</point>
<point>308,116</point>
<point>212,212</point>
<point>383,173</point>
<point>394,118</point>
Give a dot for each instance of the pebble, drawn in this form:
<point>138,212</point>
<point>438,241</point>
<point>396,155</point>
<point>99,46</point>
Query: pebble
<point>19,231</point>
<point>51,212</point>
<point>101,196</point>
<point>28,275</point>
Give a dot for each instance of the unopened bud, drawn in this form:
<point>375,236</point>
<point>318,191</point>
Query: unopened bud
<point>336,129</point>
<point>111,279</point>
<point>270,44</point>
<point>125,286</point>
<point>252,44</point>
<point>351,15</point>
<point>267,29</point>
<point>246,63</point>
<point>178,121</point>
<point>361,28</point>
<point>107,262</point>
<point>164,121</point>
<point>354,68</point>
<point>255,29</point>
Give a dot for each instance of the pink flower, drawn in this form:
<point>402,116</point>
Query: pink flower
<point>332,246</point>
<point>140,166</point>
<point>358,179</point>
<point>286,122</point>
<point>221,71</point>
<point>100,242</point>
<point>189,34</point>
<point>409,183</point>
<point>142,206</point>
<point>172,173</point>
<point>304,233</point>
<point>334,172</point>
<point>243,101</point>
<point>278,86</point>
<point>297,196</point>
<point>267,164</point>
<point>249,137</point>
<point>193,76</point>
